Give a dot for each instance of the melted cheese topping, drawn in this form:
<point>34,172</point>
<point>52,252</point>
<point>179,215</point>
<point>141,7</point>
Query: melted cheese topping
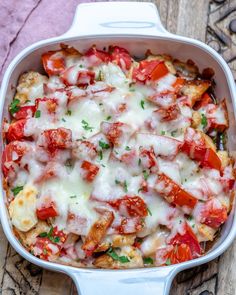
<point>128,139</point>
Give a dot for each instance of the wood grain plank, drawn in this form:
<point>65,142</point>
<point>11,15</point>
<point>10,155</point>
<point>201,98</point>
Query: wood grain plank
<point>192,19</point>
<point>55,283</point>
<point>3,254</point>
<point>17,276</point>
<point>226,272</point>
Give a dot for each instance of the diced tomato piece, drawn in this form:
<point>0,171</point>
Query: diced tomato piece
<point>91,170</point>
<point>46,212</point>
<point>217,117</point>
<point>148,158</point>
<point>195,147</point>
<point>77,76</point>
<point>213,214</point>
<point>227,184</point>
<point>168,114</point>
<point>133,205</point>
<point>12,153</point>
<point>101,56</point>
<point>44,247</point>
<point>24,112</point>
<point>50,103</point>
<point>178,84</point>
<point>121,56</point>
<point>188,238</point>
<point>205,100</point>
<point>16,130</point>
<point>97,232</point>
<point>53,139</point>
<point>150,70</point>
<point>113,131</point>
<point>211,159</point>
<point>54,62</point>
<point>173,193</point>
<point>159,71</point>
<point>60,234</point>
<point>173,254</point>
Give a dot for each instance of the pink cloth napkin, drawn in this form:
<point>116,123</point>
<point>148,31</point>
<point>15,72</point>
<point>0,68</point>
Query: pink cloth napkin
<point>25,22</point>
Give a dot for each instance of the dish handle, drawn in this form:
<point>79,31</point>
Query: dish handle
<point>116,18</point>
<point>128,282</point>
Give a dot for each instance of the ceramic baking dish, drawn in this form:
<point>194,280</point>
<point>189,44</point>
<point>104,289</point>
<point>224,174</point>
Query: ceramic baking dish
<point>137,27</point>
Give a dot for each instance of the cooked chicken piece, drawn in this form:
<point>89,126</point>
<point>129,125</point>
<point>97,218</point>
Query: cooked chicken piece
<point>194,89</point>
<point>196,119</point>
<point>224,157</point>
<point>127,257</point>
<point>206,233</point>
<point>97,232</point>
<point>209,142</point>
<point>30,86</point>
<point>186,69</point>
<point>29,238</point>
<point>153,242</point>
<point>116,241</point>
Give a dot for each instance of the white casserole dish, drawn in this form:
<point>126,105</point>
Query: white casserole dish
<point>137,27</point>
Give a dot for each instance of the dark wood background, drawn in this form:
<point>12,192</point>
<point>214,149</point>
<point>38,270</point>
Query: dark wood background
<point>213,22</point>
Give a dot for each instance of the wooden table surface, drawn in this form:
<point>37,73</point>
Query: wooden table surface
<point>210,22</point>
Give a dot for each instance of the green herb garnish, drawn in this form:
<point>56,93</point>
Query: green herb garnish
<point>163,132</point>
<point>125,186</point>
<point>100,155</point>
<point>43,235</point>
<point>115,256</point>
<point>73,197</point>
<point>142,102</point>
<point>63,120</point>
<point>68,113</point>
<point>104,145</point>
<point>168,262</point>
<point>16,190</point>
<point>14,106</point>
<point>49,235</point>
<point>145,175</point>
<point>127,148</point>
<point>173,133</point>
<point>69,163</point>
<point>37,114</point>
<point>86,126</point>
<point>100,76</point>
<point>108,118</point>
<point>204,121</point>
<point>149,211</point>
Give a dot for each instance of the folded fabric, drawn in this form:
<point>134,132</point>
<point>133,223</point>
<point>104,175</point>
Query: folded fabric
<point>25,22</point>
